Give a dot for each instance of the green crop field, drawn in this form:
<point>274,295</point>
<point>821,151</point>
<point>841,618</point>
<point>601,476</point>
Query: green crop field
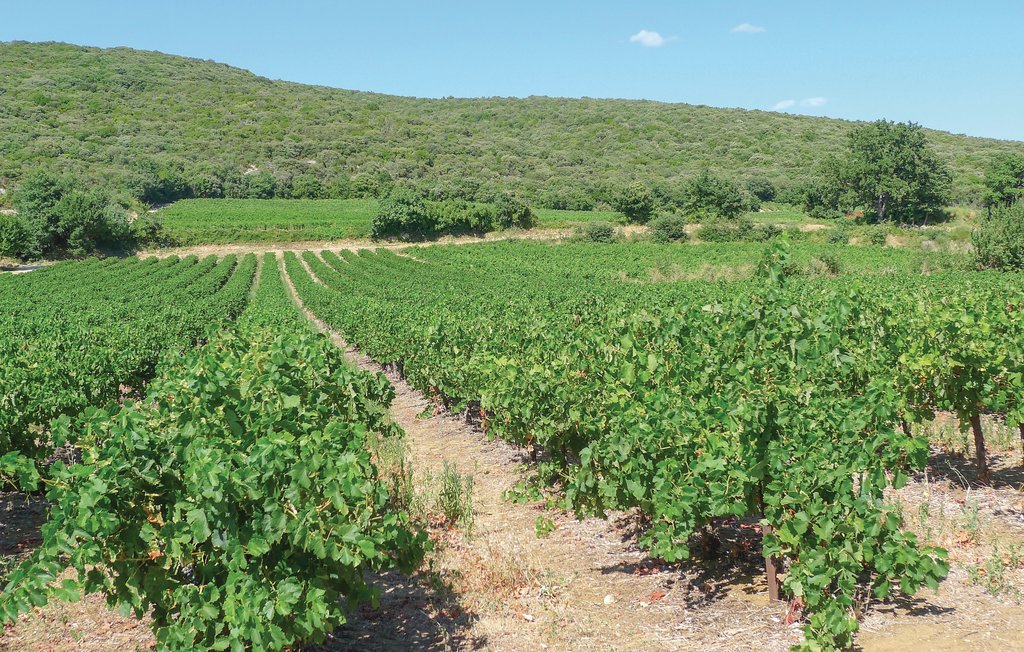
<point>224,221</point>
<point>219,221</point>
<point>550,218</point>
<point>703,386</point>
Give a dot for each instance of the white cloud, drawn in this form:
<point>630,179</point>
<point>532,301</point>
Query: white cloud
<point>806,102</point>
<point>747,28</point>
<point>650,39</point>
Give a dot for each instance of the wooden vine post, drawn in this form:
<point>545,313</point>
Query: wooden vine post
<point>980,456</point>
<point>771,569</point>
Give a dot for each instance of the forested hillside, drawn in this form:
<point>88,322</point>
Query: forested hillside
<point>162,127</point>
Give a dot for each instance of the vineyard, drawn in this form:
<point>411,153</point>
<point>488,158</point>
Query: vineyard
<point>224,221</point>
<point>197,221</point>
<point>214,464</point>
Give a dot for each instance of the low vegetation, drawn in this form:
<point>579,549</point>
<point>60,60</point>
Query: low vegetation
<point>999,241</point>
<point>404,213</point>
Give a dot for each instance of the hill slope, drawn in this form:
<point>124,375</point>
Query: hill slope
<point>119,115</point>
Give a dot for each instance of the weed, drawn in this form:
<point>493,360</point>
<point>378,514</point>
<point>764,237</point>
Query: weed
<point>454,499</point>
<point>971,521</point>
<point>392,458</point>
<point>995,575</point>
<point>544,526</point>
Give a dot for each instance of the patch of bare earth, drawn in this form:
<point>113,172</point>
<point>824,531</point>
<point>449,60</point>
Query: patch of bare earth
<point>347,245</point>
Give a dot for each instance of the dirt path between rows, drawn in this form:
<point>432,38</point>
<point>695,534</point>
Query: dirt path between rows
<point>543,234</point>
<point>582,587</point>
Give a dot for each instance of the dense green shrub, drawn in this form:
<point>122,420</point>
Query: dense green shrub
<point>828,264</point>
<point>510,211</point>
<point>708,197</point>
<point>999,241</point>
<point>64,219</point>
<point>764,232</point>
<point>568,199</point>
<point>402,213</point>
<point>148,230</point>
<point>597,231</point>
<point>257,185</point>
<point>16,239</point>
<point>877,237</point>
<point>459,217</point>
<point>635,202</point>
<point>307,186</point>
<point>668,228</point>
<point>742,230</point>
<point>718,231</point>
<point>761,188</point>
<point>819,198</point>
<point>838,235</point>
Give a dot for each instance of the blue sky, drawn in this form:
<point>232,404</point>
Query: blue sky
<point>956,66</point>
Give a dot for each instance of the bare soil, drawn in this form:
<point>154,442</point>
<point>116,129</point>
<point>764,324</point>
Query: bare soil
<point>348,245</point>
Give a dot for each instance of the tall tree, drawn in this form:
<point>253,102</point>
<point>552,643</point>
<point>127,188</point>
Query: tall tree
<point>708,196</point>
<point>1004,180</point>
<point>891,172</point>
<point>635,202</point>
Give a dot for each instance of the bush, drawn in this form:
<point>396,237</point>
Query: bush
<point>598,231</point>
<point>16,239</point>
<point>838,235</point>
<point>827,264</point>
<point>63,219</point>
<point>82,227</point>
<point>568,200</point>
<point>36,199</point>
<point>307,186</point>
<point>999,241</point>
<point>459,217</point>
<point>761,188</point>
<point>709,197</point>
<point>764,232</point>
<point>635,202</point>
<point>510,211</point>
<point>668,228</point>
<point>148,230</point>
<point>718,231</point>
<point>402,213</point>
<point>877,237</point>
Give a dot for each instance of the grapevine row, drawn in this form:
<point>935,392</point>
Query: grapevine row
<point>766,398</point>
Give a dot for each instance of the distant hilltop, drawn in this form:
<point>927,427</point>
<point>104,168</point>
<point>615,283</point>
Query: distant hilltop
<point>125,117</point>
